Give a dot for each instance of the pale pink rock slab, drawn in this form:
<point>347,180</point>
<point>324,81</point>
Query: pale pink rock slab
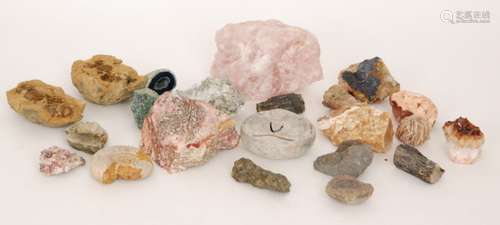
<point>180,133</point>
<point>263,59</point>
<point>55,160</point>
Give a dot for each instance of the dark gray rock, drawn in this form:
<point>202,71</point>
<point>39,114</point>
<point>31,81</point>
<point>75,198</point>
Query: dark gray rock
<point>291,102</point>
<point>351,158</point>
<point>410,160</point>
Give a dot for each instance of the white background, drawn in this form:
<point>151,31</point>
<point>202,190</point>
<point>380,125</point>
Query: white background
<point>456,65</point>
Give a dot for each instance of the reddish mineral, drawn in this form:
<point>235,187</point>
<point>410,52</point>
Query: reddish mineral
<point>55,160</point>
<point>406,103</point>
<point>465,140</point>
<point>180,133</point>
<point>263,59</point>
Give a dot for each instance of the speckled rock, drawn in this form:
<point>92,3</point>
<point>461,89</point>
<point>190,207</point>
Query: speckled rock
<point>413,130</point>
<point>368,125</point>
<point>142,101</point>
<point>339,100</point>
<point>55,160</point>
<point>277,134</point>
<point>120,163</point>
<point>266,58</point>
<point>45,104</point>
<point>161,81</point>
<point>291,102</point>
<point>351,161</point>
<point>410,160</point>
<point>88,137</point>
<point>348,190</point>
<point>368,81</point>
<point>464,140</point>
<point>405,103</point>
<point>105,80</point>
<point>217,92</point>
<point>245,171</point>
<point>180,133</point>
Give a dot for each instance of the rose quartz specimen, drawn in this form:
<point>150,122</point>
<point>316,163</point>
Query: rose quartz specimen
<point>180,133</point>
<point>55,160</point>
<point>406,103</point>
<point>263,59</point>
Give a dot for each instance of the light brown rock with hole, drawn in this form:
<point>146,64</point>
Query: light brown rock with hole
<point>406,103</point>
<point>45,104</point>
<point>105,80</point>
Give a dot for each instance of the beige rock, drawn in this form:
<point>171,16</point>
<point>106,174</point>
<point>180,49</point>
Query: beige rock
<point>104,80</point>
<point>339,100</point>
<point>413,130</point>
<point>120,163</point>
<point>406,103</point>
<point>368,125</point>
<point>88,137</point>
<point>45,104</point>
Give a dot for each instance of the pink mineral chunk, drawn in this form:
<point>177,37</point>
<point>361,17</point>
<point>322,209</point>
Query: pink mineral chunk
<point>266,58</point>
<point>180,133</point>
<point>55,160</point>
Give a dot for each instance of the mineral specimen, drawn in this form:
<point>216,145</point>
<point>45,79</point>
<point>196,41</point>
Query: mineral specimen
<point>277,134</point>
<point>120,163</point>
<point>291,102</point>
<point>245,171</point>
<point>368,125</point>
<point>413,130</point>
<point>45,104</point>
<point>219,93</point>
<point>104,80</point>
<point>348,190</point>
<point>142,101</point>
<point>266,58</point>
<point>161,80</point>
<point>180,132</point>
<point>465,140</point>
<point>405,103</point>
<point>55,160</point>
<point>339,100</point>
<point>351,161</point>
<point>410,160</point>
<point>88,137</point>
<point>369,81</point>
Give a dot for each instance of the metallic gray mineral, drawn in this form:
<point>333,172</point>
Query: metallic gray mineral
<point>217,92</point>
<point>88,137</point>
<point>277,134</point>
<point>291,102</point>
<point>410,160</point>
<point>348,190</point>
<point>351,160</point>
<point>245,171</point>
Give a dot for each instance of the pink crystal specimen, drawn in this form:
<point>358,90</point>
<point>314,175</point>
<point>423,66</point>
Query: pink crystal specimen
<point>55,160</point>
<point>180,133</point>
<point>263,59</point>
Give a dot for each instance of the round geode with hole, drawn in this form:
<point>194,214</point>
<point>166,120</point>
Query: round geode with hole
<point>161,81</point>
<point>277,134</point>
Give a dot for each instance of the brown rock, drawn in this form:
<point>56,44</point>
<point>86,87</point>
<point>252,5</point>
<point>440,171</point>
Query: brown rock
<point>339,100</point>
<point>410,160</point>
<point>104,80</point>
<point>413,130</point>
<point>45,104</point>
<point>348,190</point>
<point>405,103</point>
<point>368,125</point>
<point>368,81</point>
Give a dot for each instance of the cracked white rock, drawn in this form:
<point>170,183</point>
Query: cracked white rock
<point>55,160</point>
<point>277,134</point>
<point>120,162</point>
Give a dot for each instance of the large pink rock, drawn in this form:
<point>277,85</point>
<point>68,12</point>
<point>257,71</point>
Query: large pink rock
<point>180,133</point>
<point>266,58</point>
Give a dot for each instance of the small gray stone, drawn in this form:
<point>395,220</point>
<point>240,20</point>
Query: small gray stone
<point>246,171</point>
<point>142,100</point>
<point>351,158</point>
<point>217,92</point>
<point>277,134</point>
<point>88,137</point>
<point>348,190</point>
<point>291,102</point>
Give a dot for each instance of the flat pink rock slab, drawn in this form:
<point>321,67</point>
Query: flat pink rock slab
<point>180,133</point>
<point>266,58</point>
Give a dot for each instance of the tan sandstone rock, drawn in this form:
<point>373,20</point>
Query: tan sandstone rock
<point>45,104</point>
<point>368,125</point>
<point>104,80</point>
